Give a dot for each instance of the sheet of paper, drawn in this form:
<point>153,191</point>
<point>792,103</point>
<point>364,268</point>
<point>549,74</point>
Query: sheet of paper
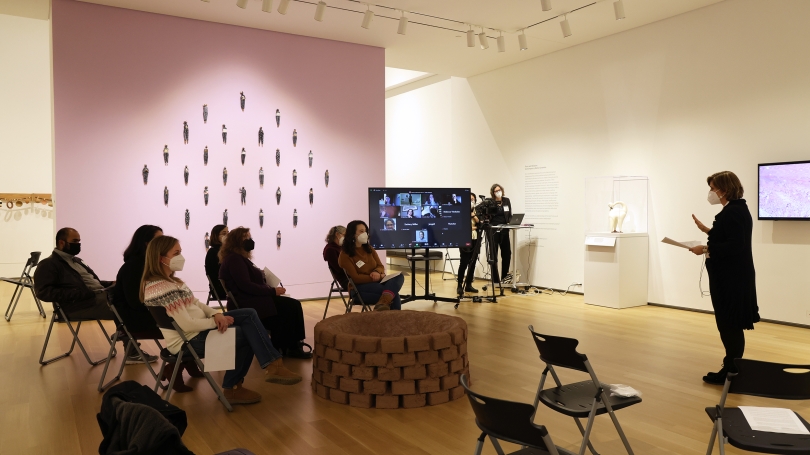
<point>773,420</point>
<point>686,245</point>
<point>389,276</point>
<point>272,280</point>
<point>220,350</point>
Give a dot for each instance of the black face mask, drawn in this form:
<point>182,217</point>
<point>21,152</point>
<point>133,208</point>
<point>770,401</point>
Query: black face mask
<point>248,244</point>
<point>73,249</point>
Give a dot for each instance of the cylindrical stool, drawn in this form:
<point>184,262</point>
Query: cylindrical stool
<point>390,359</point>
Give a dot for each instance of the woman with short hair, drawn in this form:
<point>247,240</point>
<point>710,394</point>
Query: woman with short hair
<point>331,253</point>
<point>730,265</point>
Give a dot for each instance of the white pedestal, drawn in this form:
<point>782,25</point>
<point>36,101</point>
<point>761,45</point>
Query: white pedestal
<point>616,269</point>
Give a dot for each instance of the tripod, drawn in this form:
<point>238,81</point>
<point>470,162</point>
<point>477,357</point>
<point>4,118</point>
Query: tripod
<point>487,229</point>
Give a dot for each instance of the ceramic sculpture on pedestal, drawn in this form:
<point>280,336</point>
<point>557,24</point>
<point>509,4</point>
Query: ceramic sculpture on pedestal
<point>618,210</point>
<point>166,155</point>
<point>145,173</point>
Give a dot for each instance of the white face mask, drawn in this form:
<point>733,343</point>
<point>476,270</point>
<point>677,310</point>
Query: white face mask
<point>340,241</point>
<point>472,205</point>
<point>713,198</point>
<point>176,263</point>
<point>363,238</point>
<point>498,193</point>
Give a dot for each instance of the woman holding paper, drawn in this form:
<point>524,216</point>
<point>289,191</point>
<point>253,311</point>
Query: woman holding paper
<point>364,267</point>
<point>160,287</point>
<point>730,265</point>
<point>282,316</point>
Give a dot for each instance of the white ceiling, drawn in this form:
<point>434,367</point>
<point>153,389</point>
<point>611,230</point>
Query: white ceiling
<point>429,49</point>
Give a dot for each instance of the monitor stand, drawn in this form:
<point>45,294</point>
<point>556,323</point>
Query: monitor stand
<point>413,258</point>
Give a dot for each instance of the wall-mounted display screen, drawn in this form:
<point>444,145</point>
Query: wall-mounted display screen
<point>419,218</point>
<point>784,191</point>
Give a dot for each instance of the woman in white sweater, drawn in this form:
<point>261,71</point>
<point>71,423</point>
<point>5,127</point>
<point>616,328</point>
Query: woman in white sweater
<point>159,287</point>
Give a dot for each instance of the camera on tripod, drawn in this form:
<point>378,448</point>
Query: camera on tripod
<point>486,209</point>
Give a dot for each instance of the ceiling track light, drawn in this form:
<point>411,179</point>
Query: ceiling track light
<point>501,42</point>
<point>319,11</point>
<point>403,24</point>
<point>267,6</point>
<point>522,40</point>
<point>470,37</point>
<point>368,16</point>
<point>282,7</point>
<point>618,9</point>
<point>566,27</point>
<point>482,38</point>
<point>545,5</point>
<point>242,3</point>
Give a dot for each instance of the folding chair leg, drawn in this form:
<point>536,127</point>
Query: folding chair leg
<point>12,304</point>
<point>101,385</point>
<point>174,375</point>
<point>721,440</point>
<point>145,360</point>
<point>479,446</point>
<point>214,385</point>
<point>327,304</point>
<point>711,440</point>
<point>157,381</point>
<point>618,428</point>
<point>586,437</point>
<point>38,302</point>
<point>81,346</point>
<point>582,432</point>
<point>497,446</point>
<point>45,345</point>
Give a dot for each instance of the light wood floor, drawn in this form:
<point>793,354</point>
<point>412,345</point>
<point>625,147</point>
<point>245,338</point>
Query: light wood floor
<point>662,352</point>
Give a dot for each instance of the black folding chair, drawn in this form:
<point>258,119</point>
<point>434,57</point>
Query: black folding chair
<point>581,399</point>
<point>133,338</point>
<point>228,293</point>
<point>75,332</point>
<point>24,281</point>
<point>212,294</point>
<point>355,297</point>
<point>335,287</point>
<point>509,421</point>
<point>164,321</point>
<point>763,379</point>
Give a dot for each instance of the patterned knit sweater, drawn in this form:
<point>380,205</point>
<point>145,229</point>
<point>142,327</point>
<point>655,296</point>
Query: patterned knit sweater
<point>189,313</point>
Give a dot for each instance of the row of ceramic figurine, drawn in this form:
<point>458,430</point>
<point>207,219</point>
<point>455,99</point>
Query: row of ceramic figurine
<point>225,135</point>
<point>145,174</point>
<point>243,155</point>
<point>242,196</point>
<point>207,238</point>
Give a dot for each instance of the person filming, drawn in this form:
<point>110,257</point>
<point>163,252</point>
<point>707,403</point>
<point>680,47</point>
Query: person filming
<point>730,265</point>
<point>500,238</point>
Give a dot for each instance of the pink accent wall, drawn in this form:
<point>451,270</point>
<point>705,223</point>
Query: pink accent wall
<point>124,82</point>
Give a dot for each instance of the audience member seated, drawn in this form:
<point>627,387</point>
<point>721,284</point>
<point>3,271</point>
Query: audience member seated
<point>363,265</point>
<point>63,278</point>
<point>160,287</point>
<point>218,234</point>
<point>282,316</point>
<point>331,253</point>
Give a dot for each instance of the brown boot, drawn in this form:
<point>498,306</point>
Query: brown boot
<point>179,386</point>
<point>241,395</point>
<point>384,303</point>
<point>278,374</point>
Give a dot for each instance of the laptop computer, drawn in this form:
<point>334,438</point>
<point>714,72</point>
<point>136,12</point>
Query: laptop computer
<point>516,219</point>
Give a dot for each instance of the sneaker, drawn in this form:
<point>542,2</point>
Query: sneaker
<point>135,358</point>
<point>241,395</point>
<point>277,373</point>
<point>469,288</point>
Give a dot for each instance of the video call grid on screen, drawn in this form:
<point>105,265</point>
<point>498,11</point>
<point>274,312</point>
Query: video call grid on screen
<point>419,218</point>
<point>783,189</point>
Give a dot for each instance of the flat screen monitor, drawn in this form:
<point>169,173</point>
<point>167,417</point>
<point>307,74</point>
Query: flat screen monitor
<point>783,191</point>
<point>419,218</point>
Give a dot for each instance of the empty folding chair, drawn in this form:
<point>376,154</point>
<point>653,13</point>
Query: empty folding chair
<point>229,294</point>
<point>24,281</point>
<point>335,287</point>
<point>164,321</point>
<point>354,297</point>
<point>509,421</point>
<point>763,379</point>
<point>579,400</point>
<point>212,294</point>
<point>75,332</point>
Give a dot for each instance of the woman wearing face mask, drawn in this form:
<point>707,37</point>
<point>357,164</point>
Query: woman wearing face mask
<point>469,255</point>
<point>730,265</point>
<point>218,234</point>
<point>500,239</point>
<point>364,267</point>
<point>331,253</point>
<point>160,287</point>
<point>282,316</point>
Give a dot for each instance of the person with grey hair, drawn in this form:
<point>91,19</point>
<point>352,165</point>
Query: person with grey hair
<point>331,253</point>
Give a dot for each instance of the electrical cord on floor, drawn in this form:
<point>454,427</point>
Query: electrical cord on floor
<point>534,290</point>
<point>700,279</point>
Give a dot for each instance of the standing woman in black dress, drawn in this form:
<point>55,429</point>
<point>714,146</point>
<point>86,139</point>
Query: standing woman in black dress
<point>730,265</point>
<point>500,239</point>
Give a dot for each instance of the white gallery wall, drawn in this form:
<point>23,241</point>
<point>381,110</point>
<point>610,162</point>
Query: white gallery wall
<point>720,88</point>
<point>25,129</point>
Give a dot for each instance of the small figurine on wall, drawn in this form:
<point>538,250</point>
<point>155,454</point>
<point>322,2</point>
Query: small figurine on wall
<point>242,100</point>
<point>261,137</point>
<point>225,217</point>
<point>326,177</point>
<point>224,176</point>
<point>243,195</point>
<point>295,137</point>
<point>205,113</point>
<point>188,218</point>
<point>310,196</point>
<point>243,156</point>
<point>224,134</point>
<point>261,218</point>
<point>207,241</point>
<point>278,118</point>
<point>278,157</point>
<point>295,177</point>
<point>185,132</point>
<point>185,175</point>
<point>310,158</point>
<point>261,177</point>
<point>145,173</point>
<point>166,155</point>
<point>618,211</point>
<point>295,217</point>
<point>278,239</point>
<point>205,196</point>
<point>166,196</point>
<point>278,196</point>
<point>205,156</point>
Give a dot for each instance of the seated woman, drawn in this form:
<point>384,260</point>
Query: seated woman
<point>218,234</point>
<point>161,288</point>
<point>331,253</point>
<point>282,316</point>
<point>363,266</point>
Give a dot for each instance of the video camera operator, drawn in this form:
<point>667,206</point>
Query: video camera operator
<point>469,255</point>
<point>500,238</point>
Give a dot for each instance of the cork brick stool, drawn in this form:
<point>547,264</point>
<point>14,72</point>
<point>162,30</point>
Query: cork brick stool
<point>390,359</point>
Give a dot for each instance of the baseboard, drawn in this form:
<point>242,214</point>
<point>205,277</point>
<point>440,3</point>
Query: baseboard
<point>695,310</point>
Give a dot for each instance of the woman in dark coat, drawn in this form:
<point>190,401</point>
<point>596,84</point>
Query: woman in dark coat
<point>282,316</point>
<point>218,234</point>
<point>331,253</point>
<point>730,265</point>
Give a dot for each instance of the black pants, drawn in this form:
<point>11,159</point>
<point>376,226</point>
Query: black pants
<point>501,240</point>
<point>734,341</point>
<point>467,263</point>
<point>287,326</point>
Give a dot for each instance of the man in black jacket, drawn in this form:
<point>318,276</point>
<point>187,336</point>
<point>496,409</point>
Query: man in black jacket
<point>64,278</point>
